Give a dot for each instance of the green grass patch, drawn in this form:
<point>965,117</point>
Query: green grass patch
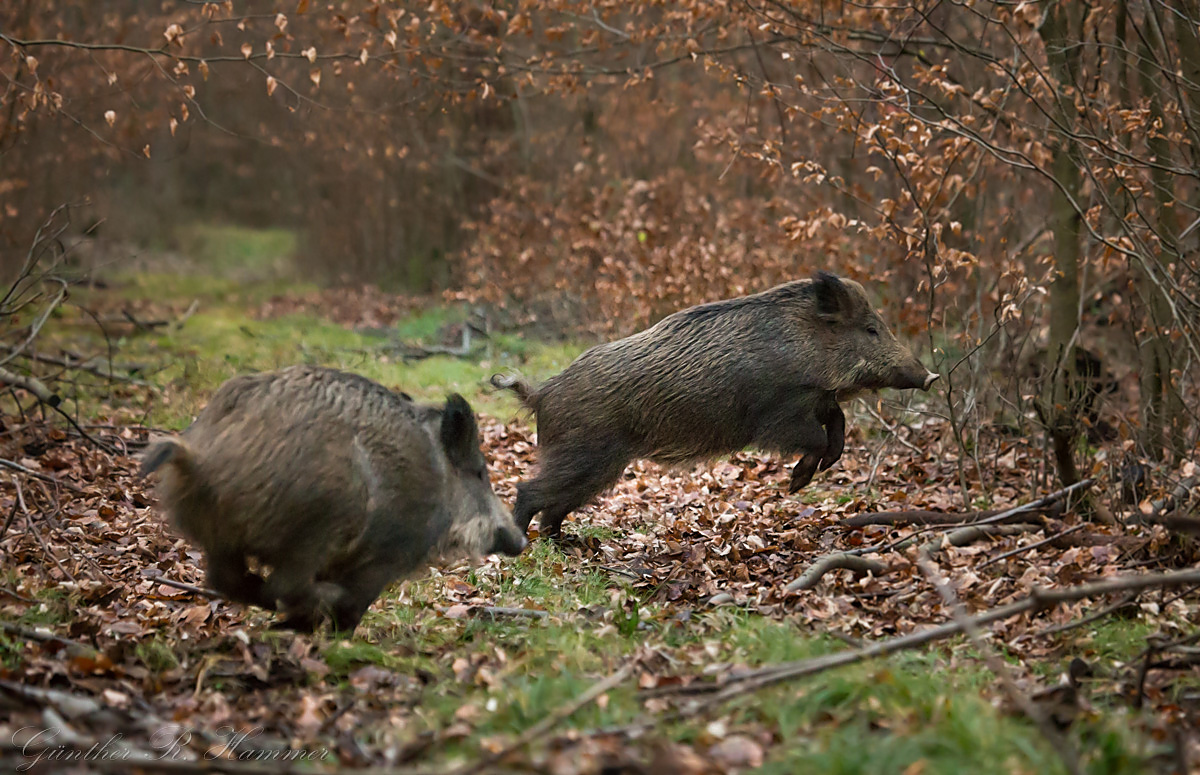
<point>55,606</point>
<point>221,342</point>
<point>218,249</point>
<point>157,655</point>
<point>345,656</point>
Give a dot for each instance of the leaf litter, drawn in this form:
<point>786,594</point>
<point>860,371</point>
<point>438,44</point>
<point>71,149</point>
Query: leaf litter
<point>85,553</point>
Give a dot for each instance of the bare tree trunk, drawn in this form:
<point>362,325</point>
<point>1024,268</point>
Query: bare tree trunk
<point>1060,32</point>
<point>1160,408</point>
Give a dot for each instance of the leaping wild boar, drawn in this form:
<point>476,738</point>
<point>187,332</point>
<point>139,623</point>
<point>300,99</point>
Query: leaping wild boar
<point>765,370</point>
<point>336,483</point>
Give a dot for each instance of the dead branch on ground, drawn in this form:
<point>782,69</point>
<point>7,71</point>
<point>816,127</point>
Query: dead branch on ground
<point>1036,601</point>
<point>838,560</point>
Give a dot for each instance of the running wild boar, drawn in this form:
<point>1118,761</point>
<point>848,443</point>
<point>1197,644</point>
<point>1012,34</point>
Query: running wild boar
<point>765,371</point>
<point>336,484</point>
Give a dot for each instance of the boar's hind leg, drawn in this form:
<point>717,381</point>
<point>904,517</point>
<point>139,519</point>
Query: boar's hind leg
<point>227,573</point>
<point>569,478</point>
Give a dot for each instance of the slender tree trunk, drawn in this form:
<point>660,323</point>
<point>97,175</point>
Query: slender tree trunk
<point>1160,411</point>
<point>1060,33</point>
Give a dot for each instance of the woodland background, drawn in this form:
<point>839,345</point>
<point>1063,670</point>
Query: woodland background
<point>1016,182</point>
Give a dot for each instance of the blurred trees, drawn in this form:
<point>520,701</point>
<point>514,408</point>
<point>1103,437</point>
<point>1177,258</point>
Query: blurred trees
<point>1018,181</point>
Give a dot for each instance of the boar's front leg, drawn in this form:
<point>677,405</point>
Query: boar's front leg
<point>810,439</point>
<point>228,574</point>
<point>832,422</point>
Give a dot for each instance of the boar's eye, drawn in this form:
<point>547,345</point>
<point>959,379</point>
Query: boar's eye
<point>872,330</point>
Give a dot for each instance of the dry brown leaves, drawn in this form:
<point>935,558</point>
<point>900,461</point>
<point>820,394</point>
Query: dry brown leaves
<point>724,532</point>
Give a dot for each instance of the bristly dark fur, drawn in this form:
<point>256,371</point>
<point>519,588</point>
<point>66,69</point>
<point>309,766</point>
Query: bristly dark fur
<point>761,370</point>
<point>336,483</point>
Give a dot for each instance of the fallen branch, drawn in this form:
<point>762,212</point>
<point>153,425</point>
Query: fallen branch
<point>1020,699</point>
<point>502,611</point>
<point>965,536</point>
<point>1001,517</point>
<point>87,365</point>
<point>546,724</point>
<point>1158,510</point>
<point>921,517</point>
<point>1124,602</point>
<point>140,325</point>
<point>31,384</point>
<point>838,560</point>
<point>495,612</point>
<point>978,517</point>
<point>853,561</point>
<point>118,753</point>
<point>185,587</point>
<point>1037,600</point>
<point>37,636</point>
<point>17,595</point>
<point>1157,645</point>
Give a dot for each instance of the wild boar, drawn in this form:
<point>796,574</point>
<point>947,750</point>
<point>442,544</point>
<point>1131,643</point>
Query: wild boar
<point>765,370</point>
<point>336,484</point>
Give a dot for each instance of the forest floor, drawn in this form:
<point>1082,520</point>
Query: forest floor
<point>606,654</point>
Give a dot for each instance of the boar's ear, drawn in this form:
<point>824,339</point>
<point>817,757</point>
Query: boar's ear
<point>460,434</point>
<point>832,297</point>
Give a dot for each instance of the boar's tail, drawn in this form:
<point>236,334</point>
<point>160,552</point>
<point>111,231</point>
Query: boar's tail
<point>525,392</point>
<point>163,452</point>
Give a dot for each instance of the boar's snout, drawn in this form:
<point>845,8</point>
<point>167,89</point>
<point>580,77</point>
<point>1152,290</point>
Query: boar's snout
<point>913,376</point>
<point>508,540</point>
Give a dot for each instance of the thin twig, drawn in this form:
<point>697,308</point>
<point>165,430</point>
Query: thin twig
<point>1124,602</point>
<point>38,475</point>
<point>203,591</point>
<point>12,513</point>
<point>892,429</point>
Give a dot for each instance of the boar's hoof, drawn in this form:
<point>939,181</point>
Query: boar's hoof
<point>305,623</point>
<point>802,472</point>
<point>552,533</point>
